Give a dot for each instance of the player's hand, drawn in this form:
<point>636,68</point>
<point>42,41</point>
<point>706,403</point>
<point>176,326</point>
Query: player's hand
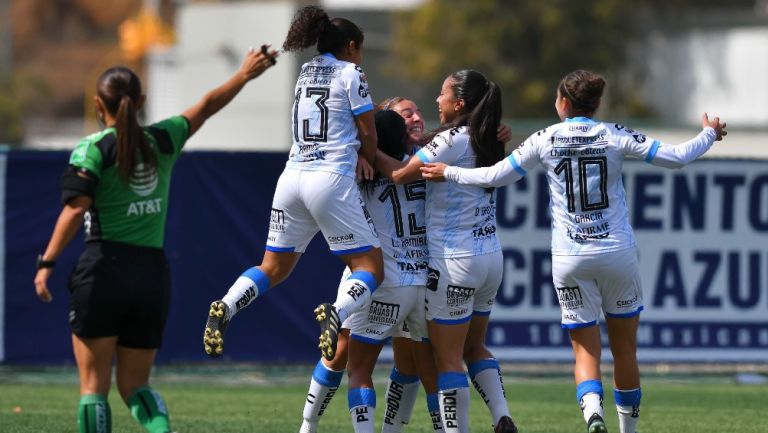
<point>433,171</point>
<point>364,170</point>
<point>257,61</point>
<point>504,133</point>
<point>715,124</point>
<point>41,284</point>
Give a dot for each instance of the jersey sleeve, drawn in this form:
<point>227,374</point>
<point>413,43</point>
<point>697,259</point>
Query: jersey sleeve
<point>661,154</point>
<point>507,171</point>
<point>441,149</point>
<point>172,132</point>
<point>356,86</point>
<point>87,156</point>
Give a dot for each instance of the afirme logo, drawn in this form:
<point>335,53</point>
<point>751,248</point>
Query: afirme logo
<point>144,180</point>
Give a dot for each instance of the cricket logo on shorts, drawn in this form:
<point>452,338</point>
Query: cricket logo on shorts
<point>570,298</point>
<point>458,295</point>
<point>383,313</point>
<point>277,220</point>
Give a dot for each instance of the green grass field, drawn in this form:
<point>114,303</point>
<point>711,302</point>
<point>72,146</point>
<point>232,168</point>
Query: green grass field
<point>263,400</point>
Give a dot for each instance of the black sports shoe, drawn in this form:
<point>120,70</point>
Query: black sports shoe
<point>329,329</point>
<point>505,425</point>
<point>213,337</point>
<point>596,424</point>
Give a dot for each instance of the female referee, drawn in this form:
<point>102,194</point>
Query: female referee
<point>117,185</point>
<point>465,265</point>
<point>332,120</point>
<point>594,257</point>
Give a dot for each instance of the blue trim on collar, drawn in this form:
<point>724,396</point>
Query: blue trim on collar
<point>581,119</point>
<point>329,55</point>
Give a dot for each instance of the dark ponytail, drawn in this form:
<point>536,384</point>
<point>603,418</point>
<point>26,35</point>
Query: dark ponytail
<point>584,89</point>
<point>311,25</point>
<point>120,90</point>
<point>481,113</point>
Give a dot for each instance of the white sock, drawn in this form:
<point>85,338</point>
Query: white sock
<point>362,407</point>
<point>589,394</point>
<point>454,401</point>
<point>628,408</point>
<point>325,382</point>
<point>591,404</point>
<point>250,285</point>
<point>355,294</point>
<point>486,377</point>
<point>433,406</point>
<point>402,391</point>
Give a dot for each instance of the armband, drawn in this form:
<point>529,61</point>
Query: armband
<point>77,181</point>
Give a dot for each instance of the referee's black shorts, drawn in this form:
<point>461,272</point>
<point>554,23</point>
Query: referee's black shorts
<point>120,290</point>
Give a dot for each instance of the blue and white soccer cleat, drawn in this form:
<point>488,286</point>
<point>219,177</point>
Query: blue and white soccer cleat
<point>330,326</point>
<point>213,337</point>
<point>596,424</point>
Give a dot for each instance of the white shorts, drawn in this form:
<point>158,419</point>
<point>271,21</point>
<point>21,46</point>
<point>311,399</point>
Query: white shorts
<point>308,201</point>
<point>590,284</point>
<point>390,309</point>
<point>458,288</point>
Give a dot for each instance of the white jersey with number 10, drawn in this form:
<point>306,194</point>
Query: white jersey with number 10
<point>583,159</point>
<point>329,94</point>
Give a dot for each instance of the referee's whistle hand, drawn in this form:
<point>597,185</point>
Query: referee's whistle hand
<point>41,284</point>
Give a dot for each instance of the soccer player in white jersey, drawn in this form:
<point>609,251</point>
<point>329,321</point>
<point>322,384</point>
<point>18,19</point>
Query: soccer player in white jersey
<point>332,120</point>
<point>465,255</point>
<point>394,209</point>
<point>594,257</point>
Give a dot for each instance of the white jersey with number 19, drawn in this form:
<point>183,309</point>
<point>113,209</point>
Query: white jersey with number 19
<point>583,159</point>
<point>329,94</point>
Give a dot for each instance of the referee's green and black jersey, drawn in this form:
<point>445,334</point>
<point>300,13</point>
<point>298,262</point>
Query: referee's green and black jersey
<point>133,212</point>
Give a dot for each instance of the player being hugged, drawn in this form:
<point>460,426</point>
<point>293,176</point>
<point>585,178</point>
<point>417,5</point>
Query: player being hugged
<point>594,257</point>
<point>332,120</point>
<point>465,266</point>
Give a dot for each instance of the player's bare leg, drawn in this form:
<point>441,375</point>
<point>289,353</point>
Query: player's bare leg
<point>622,335</point>
<point>275,267</point>
<point>589,388</point>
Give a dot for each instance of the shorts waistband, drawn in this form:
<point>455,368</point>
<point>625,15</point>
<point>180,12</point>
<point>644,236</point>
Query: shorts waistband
<point>112,247</point>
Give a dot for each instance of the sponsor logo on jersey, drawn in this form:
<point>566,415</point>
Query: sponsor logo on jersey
<point>570,298</point>
<point>356,291</point>
<point>144,180</point>
<point>362,90</point>
<point>640,138</point>
<point>144,207</point>
<point>483,231</point>
<point>458,295</point>
<point>383,313</point>
<point>411,267</point>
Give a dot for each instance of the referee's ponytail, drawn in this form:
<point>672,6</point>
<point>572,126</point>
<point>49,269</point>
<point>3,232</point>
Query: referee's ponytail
<point>482,114</point>
<point>311,25</point>
<point>119,89</point>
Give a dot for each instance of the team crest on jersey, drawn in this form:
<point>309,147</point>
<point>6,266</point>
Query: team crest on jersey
<point>433,276</point>
<point>363,90</point>
<point>640,138</point>
<point>144,180</point>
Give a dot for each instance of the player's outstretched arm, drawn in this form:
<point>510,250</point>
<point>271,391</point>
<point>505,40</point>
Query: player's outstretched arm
<point>255,63</point>
<point>683,154</point>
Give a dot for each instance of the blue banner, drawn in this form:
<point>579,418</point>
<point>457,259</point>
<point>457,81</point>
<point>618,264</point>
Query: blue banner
<point>701,231</point>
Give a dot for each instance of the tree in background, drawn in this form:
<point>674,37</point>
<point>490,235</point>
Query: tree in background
<point>525,46</point>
